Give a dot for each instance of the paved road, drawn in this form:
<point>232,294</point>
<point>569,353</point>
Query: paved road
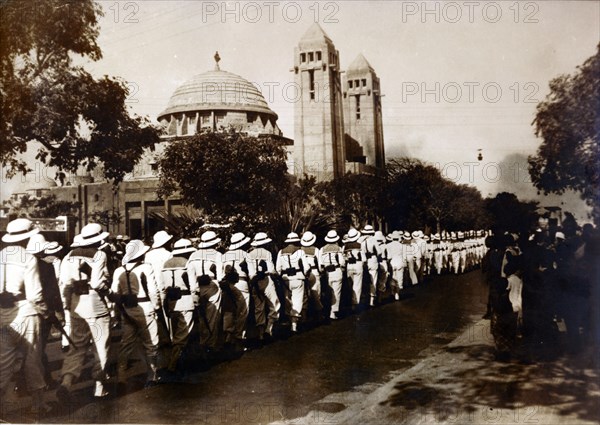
<point>287,378</point>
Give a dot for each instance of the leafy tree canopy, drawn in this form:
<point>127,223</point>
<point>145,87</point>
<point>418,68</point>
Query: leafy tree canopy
<point>356,199</point>
<point>568,121</point>
<point>46,97</point>
<point>510,214</point>
<point>44,207</point>
<point>421,197</point>
<point>230,177</point>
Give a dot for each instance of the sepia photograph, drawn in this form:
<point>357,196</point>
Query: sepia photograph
<point>300,212</point>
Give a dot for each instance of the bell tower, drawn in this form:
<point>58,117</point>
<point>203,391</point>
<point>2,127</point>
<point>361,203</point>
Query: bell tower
<point>318,112</point>
<point>362,110</point>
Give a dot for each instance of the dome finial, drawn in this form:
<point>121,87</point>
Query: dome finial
<point>217,59</point>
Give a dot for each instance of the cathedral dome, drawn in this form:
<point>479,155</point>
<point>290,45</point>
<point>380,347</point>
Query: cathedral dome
<point>217,90</point>
<point>217,100</point>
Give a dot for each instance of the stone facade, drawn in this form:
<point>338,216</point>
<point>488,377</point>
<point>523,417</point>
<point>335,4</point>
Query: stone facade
<point>362,115</point>
<point>337,128</point>
<point>318,115</point>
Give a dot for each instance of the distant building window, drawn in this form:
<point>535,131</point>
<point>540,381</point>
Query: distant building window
<point>302,57</point>
<point>96,198</point>
<point>356,83</point>
<point>220,118</point>
<point>154,167</point>
<point>364,82</point>
<point>205,120</point>
<point>358,107</point>
<point>311,82</point>
<point>311,57</point>
<point>74,196</point>
<point>350,83</point>
<point>345,95</point>
<point>318,56</point>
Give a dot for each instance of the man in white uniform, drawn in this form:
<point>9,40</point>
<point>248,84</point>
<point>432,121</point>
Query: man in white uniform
<point>355,257</point>
<point>21,307</point>
<point>290,266</point>
<point>204,267</point>
<point>260,269</point>
<point>332,263</point>
<point>138,300</point>
<point>86,289</point>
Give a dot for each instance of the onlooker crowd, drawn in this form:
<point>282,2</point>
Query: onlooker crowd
<point>539,282</point>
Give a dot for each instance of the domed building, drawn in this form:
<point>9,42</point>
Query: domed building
<point>343,134</point>
<point>218,100</point>
<point>215,100</point>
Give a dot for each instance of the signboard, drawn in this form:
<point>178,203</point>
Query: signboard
<point>59,229</point>
<point>58,224</point>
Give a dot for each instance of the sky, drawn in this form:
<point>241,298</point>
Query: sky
<point>456,76</point>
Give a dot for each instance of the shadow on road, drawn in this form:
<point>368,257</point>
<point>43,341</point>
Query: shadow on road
<point>467,379</point>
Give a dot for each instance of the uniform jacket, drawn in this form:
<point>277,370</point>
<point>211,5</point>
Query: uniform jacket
<point>201,263</point>
<point>332,255</point>
<point>371,249</point>
<point>290,262</point>
<point>19,275</point>
<point>141,277</point>
<point>354,253</point>
<point>256,256</point>
<point>311,258</point>
<point>83,273</point>
<point>396,254</point>
<point>237,259</point>
<point>157,258</point>
<point>174,274</point>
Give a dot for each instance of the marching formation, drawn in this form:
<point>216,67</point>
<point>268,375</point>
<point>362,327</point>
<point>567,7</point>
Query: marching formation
<point>223,294</point>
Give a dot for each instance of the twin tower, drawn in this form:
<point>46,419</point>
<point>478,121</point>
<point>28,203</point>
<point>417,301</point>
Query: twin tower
<point>338,126</point>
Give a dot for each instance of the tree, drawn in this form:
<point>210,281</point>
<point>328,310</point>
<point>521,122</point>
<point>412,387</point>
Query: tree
<point>44,207</point>
<point>568,121</point>
<point>106,217</point>
<point>306,206</point>
<point>508,213</point>
<point>420,197</point>
<point>357,199</point>
<point>47,98</point>
<point>468,209</point>
<point>230,177</point>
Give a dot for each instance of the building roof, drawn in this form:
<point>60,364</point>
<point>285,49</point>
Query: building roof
<point>360,64</point>
<point>315,33</point>
<point>217,90</point>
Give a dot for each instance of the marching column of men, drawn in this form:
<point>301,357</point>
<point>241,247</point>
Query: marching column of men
<point>162,295</point>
